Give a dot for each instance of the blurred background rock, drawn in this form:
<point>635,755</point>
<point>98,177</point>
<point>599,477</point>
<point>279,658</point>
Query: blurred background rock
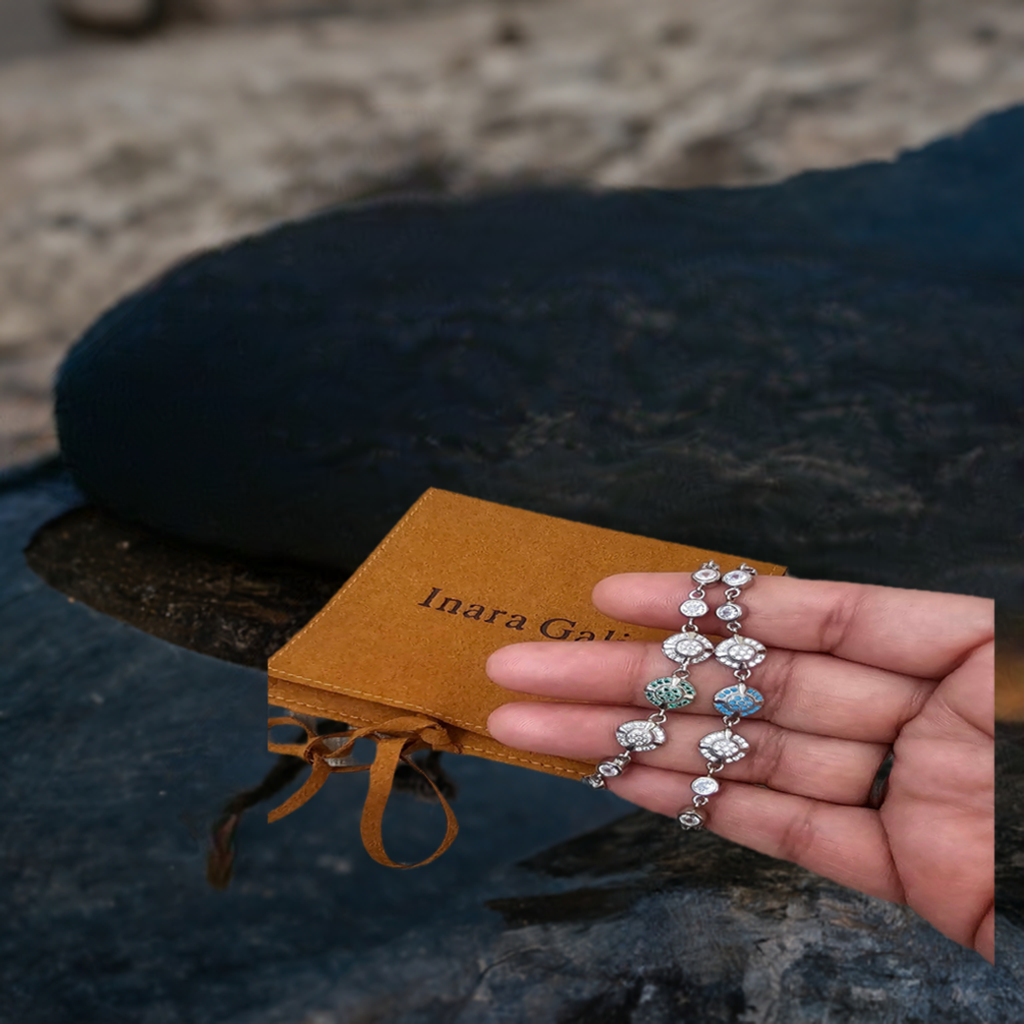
<point>194,121</point>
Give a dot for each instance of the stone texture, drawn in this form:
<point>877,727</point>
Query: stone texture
<point>638,924</point>
<point>120,752</point>
<point>118,161</point>
<point>1010,835</point>
<point>237,610</point>
<point>823,373</point>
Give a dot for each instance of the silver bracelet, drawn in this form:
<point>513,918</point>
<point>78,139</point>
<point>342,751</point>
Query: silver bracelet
<point>742,654</point>
<point>688,647</point>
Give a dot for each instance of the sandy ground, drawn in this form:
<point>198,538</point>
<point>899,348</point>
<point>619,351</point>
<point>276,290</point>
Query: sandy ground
<point>116,160</point>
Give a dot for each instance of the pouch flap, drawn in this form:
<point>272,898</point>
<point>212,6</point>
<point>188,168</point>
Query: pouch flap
<point>456,579</point>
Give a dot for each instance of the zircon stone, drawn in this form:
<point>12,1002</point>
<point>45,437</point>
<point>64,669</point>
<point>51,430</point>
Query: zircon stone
<point>705,786</point>
<point>640,735</point>
<point>669,692</point>
<point>728,612</point>
<point>705,576</point>
<point>737,578</point>
<point>723,747</point>
<point>609,769</point>
<point>694,608</point>
<point>690,647</point>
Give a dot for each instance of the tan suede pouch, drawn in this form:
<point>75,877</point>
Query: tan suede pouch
<point>398,653</point>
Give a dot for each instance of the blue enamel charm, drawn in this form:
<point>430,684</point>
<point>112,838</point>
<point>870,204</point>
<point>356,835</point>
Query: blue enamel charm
<point>731,702</point>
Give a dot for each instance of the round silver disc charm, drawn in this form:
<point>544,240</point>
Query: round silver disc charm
<point>740,652</point>
<point>728,612</point>
<point>694,608</point>
<point>723,747</point>
<point>691,647</point>
<point>669,692</point>
<point>737,578</point>
<point>640,735</point>
<point>705,576</point>
<point>731,701</point>
<point>705,786</point>
<point>691,819</point>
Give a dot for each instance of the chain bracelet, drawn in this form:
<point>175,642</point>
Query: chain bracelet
<point>734,703</point>
<point>688,647</point>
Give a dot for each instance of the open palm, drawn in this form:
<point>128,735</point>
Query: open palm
<point>851,671</point>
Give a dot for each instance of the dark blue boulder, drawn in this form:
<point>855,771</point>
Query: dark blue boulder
<point>825,373</point>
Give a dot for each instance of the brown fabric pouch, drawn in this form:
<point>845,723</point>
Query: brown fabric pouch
<point>399,652</point>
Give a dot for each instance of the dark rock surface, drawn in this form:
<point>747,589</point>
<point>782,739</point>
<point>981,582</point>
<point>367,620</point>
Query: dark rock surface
<point>1010,823</point>
<point>121,751</point>
<point>825,373</point>
<point>230,608</point>
<point>629,925</point>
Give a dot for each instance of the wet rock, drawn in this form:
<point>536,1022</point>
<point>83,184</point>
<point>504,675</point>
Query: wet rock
<point>823,373</point>
<point>122,753</point>
<point>632,923</point>
<point>234,609</point>
<point>1010,827</point>
<point>98,194</point>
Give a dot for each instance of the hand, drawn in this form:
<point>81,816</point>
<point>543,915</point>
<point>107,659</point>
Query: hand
<point>851,670</point>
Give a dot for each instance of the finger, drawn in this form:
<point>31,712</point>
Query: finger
<point>965,699</point>
<point>941,826</point>
<point>840,771</point>
<point>846,844</point>
<point>813,693</point>
<point>912,632</point>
